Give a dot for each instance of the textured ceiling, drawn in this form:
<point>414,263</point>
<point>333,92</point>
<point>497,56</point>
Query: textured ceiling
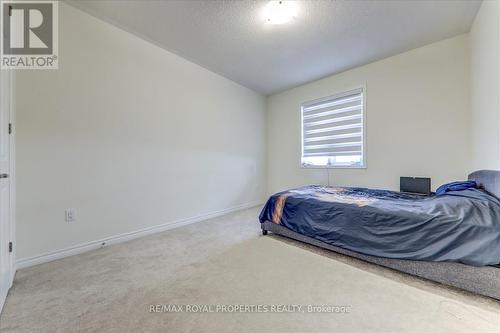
<point>327,37</point>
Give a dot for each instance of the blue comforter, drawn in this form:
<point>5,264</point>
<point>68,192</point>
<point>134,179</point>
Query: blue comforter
<point>461,226</point>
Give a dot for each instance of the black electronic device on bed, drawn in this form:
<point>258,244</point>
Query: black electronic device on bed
<point>417,185</point>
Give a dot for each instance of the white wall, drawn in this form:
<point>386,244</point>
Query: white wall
<point>417,108</point>
<point>485,86</point>
<point>131,136</point>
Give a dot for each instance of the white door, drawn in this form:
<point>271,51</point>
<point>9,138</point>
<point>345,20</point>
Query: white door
<point>6,260</point>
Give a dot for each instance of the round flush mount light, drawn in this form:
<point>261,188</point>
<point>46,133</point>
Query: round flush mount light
<point>280,11</point>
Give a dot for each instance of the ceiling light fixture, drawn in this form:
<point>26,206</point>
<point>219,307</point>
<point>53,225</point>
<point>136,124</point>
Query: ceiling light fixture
<point>280,11</point>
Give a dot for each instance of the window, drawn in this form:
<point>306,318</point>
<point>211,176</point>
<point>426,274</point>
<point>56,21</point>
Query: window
<point>333,131</point>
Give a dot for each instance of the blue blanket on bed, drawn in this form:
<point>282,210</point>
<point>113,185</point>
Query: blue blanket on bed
<point>461,226</point>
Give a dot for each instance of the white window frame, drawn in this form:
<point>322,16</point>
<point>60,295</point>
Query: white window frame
<point>364,151</point>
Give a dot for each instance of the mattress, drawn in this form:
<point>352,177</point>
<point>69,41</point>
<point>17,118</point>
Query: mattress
<point>459,226</point>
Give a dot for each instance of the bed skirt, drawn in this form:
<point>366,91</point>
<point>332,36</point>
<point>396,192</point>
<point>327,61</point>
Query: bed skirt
<point>480,280</point>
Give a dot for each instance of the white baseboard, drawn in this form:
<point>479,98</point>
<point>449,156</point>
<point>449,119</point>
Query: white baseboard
<point>93,245</point>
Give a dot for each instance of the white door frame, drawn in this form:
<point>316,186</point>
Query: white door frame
<point>12,188</point>
<point>12,175</point>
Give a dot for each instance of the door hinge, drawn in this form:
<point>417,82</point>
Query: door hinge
<point>10,10</point>
<point>10,246</point>
<point>10,128</point>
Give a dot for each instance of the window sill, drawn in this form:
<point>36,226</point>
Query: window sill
<point>333,166</point>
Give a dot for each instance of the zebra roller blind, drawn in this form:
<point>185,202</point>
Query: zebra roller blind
<point>333,131</point>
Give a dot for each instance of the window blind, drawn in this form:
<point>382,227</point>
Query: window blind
<point>333,127</point>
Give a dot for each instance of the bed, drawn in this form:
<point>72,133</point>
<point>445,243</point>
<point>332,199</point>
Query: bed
<point>453,238</point>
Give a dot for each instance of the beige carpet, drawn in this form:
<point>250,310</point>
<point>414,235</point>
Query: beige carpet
<point>226,261</point>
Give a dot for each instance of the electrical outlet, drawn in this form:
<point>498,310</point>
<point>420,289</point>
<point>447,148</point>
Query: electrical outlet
<point>70,215</point>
